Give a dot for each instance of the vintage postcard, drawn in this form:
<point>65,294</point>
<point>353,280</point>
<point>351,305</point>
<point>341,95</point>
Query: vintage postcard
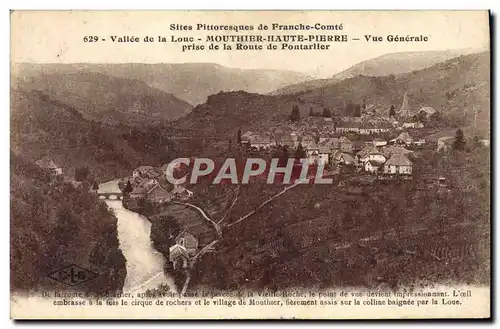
<point>250,164</point>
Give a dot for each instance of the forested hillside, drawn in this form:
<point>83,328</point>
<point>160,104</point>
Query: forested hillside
<point>191,82</point>
<point>53,225</point>
<point>104,98</point>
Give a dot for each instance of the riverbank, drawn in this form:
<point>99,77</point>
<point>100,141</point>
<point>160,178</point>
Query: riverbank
<point>167,221</point>
<point>145,265</point>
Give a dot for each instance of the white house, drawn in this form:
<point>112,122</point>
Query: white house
<point>261,142</point>
<point>374,155</point>
<point>415,125</point>
<point>373,166</point>
<point>378,142</point>
<point>398,164</point>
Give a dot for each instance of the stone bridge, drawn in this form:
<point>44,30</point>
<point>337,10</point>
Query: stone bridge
<point>110,195</point>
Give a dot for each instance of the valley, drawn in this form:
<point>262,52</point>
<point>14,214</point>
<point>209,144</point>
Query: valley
<point>371,227</point>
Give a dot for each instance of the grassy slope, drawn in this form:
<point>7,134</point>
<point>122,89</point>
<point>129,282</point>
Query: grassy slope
<point>315,235</point>
<point>394,63</point>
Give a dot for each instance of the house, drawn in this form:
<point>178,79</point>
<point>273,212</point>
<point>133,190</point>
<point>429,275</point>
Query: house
<point>357,146</point>
<point>345,159</point>
<point>179,256</point>
<point>295,137</point>
<point>345,145</point>
<point>403,138</point>
<point>364,152</point>
<point>373,166</point>
<point>374,127</point>
<point>181,193</point>
<point>145,172</point>
<point>413,124</point>
<point>312,154</point>
<point>308,141</point>
<point>318,154</point>
<point>158,194</point>
<point>323,154</point>
<point>139,192</point>
<point>398,164</point>
<point>421,142</point>
<point>391,150</point>
<point>247,137</point>
<point>261,142</point>
<point>50,166</point>
<point>428,111</point>
<point>445,143</point>
<point>188,241</point>
<point>373,155</point>
<point>331,143</point>
<point>485,142</point>
<point>286,140</point>
<point>378,142</point>
<point>142,187</point>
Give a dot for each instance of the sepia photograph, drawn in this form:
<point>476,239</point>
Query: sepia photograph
<point>250,164</point>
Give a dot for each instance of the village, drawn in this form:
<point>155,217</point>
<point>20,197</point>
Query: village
<point>379,142</point>
<point>354,144</point>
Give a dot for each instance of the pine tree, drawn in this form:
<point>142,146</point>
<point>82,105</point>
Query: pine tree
<point>357,110</point>
<point>392,112</point>
<point>300,153</point>
<point>459,143</point>
<point>128,188</point>
<point>95,187</point>
<point>311,112</point>
<point>238,137</point>
<point>295,115</point>
<point>327,113</point>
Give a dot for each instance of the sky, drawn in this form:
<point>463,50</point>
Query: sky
<point>58,36</point>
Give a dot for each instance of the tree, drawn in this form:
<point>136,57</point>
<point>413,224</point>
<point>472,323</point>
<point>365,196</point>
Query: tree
<point>81,173</point>
<point>327,113</point>
<point>300,153</point>
<point>128,188</point>
<point>476,142</point>
<point>353,110</point>
<point>295,115</point>
<point>421,116</point>
<point>311,112</point>
<point>459,143</point>
<point>238,137</point>
<point>95,186</point>
<point>357,110</point>
<point>283,156</point>
<point>392,112</point>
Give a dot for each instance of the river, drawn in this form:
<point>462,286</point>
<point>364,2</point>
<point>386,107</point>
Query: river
<point>144,263</point>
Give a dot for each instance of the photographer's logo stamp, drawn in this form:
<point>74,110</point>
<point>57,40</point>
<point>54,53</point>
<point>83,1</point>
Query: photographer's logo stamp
<point>73,275</point>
